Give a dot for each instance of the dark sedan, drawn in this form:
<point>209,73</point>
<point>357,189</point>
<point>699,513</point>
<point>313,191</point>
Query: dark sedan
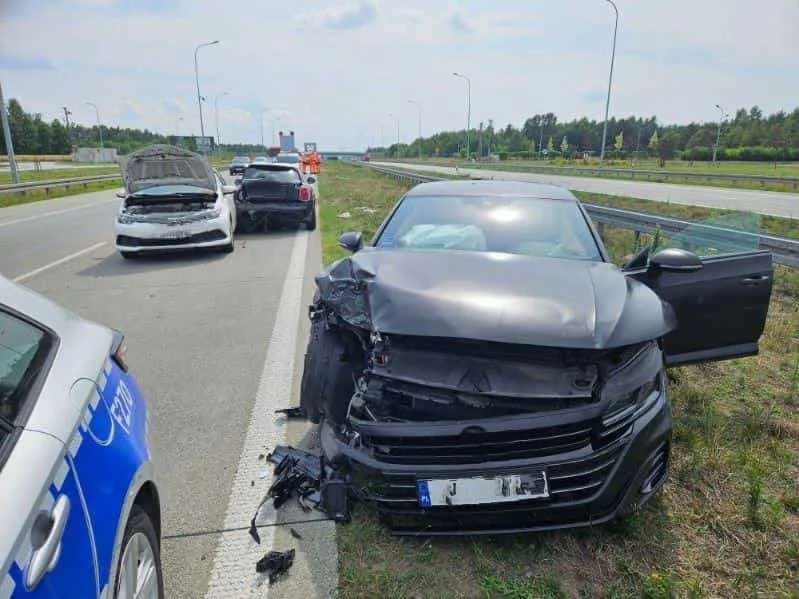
<point>238,164</point>
<point>273,192</point>
<point>481,366</point>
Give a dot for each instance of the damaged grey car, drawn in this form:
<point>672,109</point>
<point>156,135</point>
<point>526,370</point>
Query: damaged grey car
<point>481,366</point>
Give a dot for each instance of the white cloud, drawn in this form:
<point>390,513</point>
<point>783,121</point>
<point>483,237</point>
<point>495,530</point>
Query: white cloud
<point>345,16</point>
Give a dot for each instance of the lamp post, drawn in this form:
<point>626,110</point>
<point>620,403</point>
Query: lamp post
<point>177,126</point>
<point>99,126</point>
<point>419,110</point>
<point>610,82</point>
<point>216,113</point>
<point>12,160</point>
<point>197,81</point>
<point>468,109</point>
<point>718,133</point>
<point>391,115</point>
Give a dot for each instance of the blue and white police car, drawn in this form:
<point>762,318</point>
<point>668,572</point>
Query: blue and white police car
<point>78,498</point>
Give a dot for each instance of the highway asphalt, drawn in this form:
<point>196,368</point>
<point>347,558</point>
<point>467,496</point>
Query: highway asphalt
<point>763,202</point>
<point>200,330</point>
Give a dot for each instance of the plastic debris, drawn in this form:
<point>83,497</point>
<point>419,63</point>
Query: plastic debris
<point>295,534</point>
<point>295,412</point>
<point>275,563</point>
<point>345,215</point>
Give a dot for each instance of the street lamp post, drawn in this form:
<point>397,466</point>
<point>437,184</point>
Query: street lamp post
<point>718,133</point>
<point>419,110</point>
<point>177,126</point>
<point>610,82</point>
<point>216,113</point>
<point>99,126</point>
<point>197,81</point>
<point>12,160</point>
<point>468,109</point>
<point>391,115</point>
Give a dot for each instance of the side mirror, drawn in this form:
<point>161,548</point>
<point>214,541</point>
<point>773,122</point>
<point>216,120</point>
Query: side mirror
<point>226,189</point>
<point>121,194</point>
<point>311,180</point>
<point>351,241</point>
<point>675,260</point>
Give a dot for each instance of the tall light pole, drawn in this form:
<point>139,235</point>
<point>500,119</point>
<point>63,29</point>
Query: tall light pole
<point>391,115</point>
<point>610,82</point>
<point>99,126</point>
<point>197,81</point>
<point>177,126</point>
<point>718,133</point>
<point>12,159</point>
<point>216,113</point>
<point>468,109</point>
<point>419,110</point>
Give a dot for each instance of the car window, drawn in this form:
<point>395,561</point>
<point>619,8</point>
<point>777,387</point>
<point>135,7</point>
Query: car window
<point>730,233</point>
<point>282,175</point>
<point>513,225</point>
<point>23,351</point>
<point>290,159</point>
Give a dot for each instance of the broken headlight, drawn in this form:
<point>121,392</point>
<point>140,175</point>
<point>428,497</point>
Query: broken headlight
<point>630,384</point>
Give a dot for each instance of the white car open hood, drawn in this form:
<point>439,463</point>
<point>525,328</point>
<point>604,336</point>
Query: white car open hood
<point>162,165</point>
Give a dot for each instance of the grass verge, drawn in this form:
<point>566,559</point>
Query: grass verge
<point>726,524</point>
<point>59,173</point>
<point>36,195</point>
<point>708,173</point>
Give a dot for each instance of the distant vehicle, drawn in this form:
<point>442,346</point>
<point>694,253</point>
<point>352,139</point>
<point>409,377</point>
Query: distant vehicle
<point>262,160</point>
<point>481,365</point>
<point>238,164</point>
<point>275,192</point>
<point>366,157</point>
<point>82,516</point>
<point>292,158</point>
<point>173,199</point>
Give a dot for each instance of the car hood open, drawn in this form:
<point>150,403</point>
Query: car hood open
<point>164,165</point>
<point>494,297</point>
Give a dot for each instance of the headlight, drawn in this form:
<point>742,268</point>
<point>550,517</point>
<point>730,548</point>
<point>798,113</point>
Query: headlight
<point>633,382</point>
<point>125,218</point>
<point>213,213</point>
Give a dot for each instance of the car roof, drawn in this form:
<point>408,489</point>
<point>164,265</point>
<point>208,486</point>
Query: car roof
<point>486,187</point>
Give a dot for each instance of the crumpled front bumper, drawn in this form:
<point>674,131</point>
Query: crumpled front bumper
<point>144,236</point>
<point>595,473</point>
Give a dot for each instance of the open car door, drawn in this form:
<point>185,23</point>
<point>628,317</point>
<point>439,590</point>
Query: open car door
<point>721,304</point>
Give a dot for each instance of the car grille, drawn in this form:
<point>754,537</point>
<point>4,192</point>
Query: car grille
<point>128,241</point>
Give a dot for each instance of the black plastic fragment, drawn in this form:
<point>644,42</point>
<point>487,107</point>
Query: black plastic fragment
<point>295,412</point>
<point>295,534</point>
<point>335,498</point>
<point>275,563</point>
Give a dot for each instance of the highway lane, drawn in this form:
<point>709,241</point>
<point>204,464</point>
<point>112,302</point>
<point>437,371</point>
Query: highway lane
<point>764,202</point>
<point>198,328</point>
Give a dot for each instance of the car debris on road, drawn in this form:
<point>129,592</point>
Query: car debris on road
<point>275,564</point>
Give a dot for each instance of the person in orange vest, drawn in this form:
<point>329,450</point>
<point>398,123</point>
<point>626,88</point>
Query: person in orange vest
<point>315,163</point>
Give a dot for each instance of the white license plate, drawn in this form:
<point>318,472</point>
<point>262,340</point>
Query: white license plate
<point>476,491</point>
<point>177,234</point>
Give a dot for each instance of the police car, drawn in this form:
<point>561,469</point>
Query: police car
<point>79,503</point>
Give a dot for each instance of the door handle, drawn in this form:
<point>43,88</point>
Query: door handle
<point>45,556</point>
<point>755,280</point>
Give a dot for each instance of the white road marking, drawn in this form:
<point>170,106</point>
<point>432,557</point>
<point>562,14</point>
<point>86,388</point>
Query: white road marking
<point>41,269</point>
<point>233,573</point>
<point>25,219</point>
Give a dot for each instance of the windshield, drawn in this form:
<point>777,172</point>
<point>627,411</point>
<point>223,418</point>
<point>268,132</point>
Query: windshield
<point>278,175</point>
<point>512,225</point>
<point>287,159</point>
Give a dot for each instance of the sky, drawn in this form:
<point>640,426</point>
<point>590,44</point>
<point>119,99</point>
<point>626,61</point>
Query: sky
<point>341,73</point>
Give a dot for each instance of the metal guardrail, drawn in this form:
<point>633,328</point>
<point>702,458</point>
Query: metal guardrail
<point>784,249</point>
<point>632,173</point>
<point>58,183</point>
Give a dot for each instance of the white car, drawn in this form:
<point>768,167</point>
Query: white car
<point>173,199</point>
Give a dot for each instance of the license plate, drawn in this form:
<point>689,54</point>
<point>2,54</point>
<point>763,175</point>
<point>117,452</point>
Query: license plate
<point>177,234</point>
<point>480,490</point>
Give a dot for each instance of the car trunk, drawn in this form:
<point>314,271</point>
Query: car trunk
<point>269,191</point>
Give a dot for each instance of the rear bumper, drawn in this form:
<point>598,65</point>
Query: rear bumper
<point>294,210</point>
<point>144,237</point>
<point>593,485</point>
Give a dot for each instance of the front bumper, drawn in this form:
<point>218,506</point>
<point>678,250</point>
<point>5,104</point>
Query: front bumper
<point>143,237</point>
<point>596,473</point>
<point>292,210</point>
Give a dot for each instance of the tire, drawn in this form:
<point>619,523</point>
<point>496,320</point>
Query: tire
<point>140,530</point>
<point>227,249</point>
<point>310,223</point>
<point>128,255</point>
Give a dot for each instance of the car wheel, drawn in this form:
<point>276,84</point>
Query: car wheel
<point>139,573</point>
<point>128,255</point>
<point>310,223</point>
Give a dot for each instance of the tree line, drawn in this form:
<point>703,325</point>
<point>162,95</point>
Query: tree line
<point>748,135</point>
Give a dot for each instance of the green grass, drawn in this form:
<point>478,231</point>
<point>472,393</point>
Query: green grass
<point>676,166</point>
<point>59,173</point>
<point>726,524</point>
<point>36,195</point>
